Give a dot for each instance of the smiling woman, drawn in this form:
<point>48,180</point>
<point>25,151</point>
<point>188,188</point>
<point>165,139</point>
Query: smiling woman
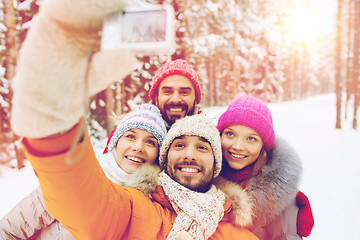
<point>265,166</point>
<point>135,141</point>
<point>137,138</point>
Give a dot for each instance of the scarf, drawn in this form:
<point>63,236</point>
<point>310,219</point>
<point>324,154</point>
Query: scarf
<point>112,170</point>
<point>237,176</point>
<point>198,214</point>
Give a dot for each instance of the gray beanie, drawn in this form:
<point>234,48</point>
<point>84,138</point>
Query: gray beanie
<point>145,116</point>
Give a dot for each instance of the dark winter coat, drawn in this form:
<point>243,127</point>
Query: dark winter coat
<point>275,214</point>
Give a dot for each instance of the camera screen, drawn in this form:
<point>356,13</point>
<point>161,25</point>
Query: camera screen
<point>147,26</point>
<point>144,30</point>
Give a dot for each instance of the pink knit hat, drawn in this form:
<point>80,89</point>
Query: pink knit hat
<point>253,113</point>
<point>180,67</point>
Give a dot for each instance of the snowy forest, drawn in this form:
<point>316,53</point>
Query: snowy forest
<point>277,50</point>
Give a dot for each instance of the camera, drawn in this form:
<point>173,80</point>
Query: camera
<point>145,29</point>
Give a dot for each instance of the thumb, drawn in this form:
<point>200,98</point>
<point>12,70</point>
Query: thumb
<point>108,66</point>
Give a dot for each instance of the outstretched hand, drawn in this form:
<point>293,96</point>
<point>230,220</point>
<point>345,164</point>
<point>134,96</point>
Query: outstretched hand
<point>51,72</point>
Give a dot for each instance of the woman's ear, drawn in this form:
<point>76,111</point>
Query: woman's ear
<point>265,155</point>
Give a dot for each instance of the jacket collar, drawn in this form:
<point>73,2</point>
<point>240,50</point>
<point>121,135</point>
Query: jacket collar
<point>159,196</point>
<point>238,207</point>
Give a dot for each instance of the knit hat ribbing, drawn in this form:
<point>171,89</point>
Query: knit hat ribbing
<point>196,125</point>
<point>145,116</point>
<point>180,67</point>
<point>253,113</point>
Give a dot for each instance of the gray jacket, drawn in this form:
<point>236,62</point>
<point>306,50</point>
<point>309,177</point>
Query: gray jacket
<point>275,217</point>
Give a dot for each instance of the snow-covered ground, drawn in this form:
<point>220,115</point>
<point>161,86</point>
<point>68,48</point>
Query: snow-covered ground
<point>331,176</point>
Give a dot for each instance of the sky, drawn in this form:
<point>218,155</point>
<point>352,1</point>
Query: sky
<point>330,157</point>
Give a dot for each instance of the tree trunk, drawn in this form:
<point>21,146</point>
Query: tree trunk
<point>120,98</point>
<point>210,83</point>
<point>109,109</point>
<point>293,73</point>
<point>349,60</point>
<point>208,67</point>
<point>338,66</point>
<point>215,69</point>
<point>10,61</point>
<point>356,62</point>
<point>9,20</point>
<point>235,52</point>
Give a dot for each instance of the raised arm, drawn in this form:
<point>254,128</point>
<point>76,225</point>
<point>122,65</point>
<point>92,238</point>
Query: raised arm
<point>79,195</point>
<point>50,98</point>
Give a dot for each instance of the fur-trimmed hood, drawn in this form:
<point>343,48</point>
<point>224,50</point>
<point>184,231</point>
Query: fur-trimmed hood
<point>282,177</point>
<point>145,179</point>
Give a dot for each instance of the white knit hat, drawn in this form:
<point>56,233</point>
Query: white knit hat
<point>145,116</point>
<point>196,125</point>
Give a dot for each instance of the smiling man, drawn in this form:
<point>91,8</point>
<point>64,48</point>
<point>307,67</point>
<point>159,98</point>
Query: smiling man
<point>176,90</point>
<point>191,154</point>
<point>191,158</point>
<point>191,162</point>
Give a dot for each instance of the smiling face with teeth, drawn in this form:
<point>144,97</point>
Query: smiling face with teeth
<point>241,146</point>
<point>134,148</point>
<point>190,162</point>
<point>175,98</point>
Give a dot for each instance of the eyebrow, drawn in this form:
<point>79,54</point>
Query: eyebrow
<point>179,137</point>
<point>205,140</point>
<point>251,134</point>
<point>152,135</point>
<point>186,88</point>
<point>181,88</point>
<point>201,138</point>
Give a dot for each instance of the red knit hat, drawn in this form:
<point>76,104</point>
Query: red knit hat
<point>253,113</point>
<point>180,67</point>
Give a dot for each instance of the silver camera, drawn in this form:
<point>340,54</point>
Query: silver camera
<point>146,30</point>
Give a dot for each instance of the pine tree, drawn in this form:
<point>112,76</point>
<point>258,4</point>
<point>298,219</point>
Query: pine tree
<point>15,16</point>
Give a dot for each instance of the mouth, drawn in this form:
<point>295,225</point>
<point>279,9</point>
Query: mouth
<point>237,156</point>
<point>189,170</point>
<point>178,109</point>
<point>135,160</point>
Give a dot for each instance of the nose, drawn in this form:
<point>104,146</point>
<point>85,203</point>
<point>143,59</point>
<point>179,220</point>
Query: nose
<point>190,153</point>
<point>238,144</point>
<point>138,146</point>
<point>176,98</point>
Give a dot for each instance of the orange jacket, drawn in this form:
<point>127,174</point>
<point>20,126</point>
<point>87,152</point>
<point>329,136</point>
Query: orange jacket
<point>90,206</point>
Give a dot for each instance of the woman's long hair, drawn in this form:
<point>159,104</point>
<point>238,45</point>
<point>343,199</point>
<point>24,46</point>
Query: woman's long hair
<point>260,162</point>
